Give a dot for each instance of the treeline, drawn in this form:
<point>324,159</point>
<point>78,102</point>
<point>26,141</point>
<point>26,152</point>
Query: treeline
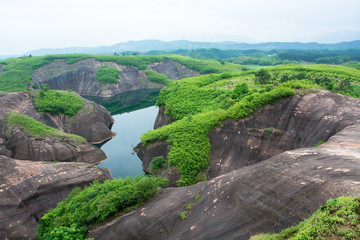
<point>270,57</point>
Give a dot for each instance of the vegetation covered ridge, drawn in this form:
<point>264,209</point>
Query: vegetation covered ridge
<point>17,72</point>
<point>32,128</point>
<point>203,102</point>
<point>339,218</point>
<point>72,217</point>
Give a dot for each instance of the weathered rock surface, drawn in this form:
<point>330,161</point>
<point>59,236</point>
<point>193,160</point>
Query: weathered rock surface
<point>162,119</point>
<point>264,197</point>
<point>92,122</point>
<point>172,69</point>
<point>80,77</point>
<point>29,189</point>
<point>296,123</point>
<point>292,123</point>
<point>46,149</point>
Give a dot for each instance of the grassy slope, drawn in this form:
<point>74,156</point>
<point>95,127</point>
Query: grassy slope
<point>72,217</point>
<point>339,218</point>
<point>33,128</point>
<point>200,103</point>
<point>17,72</point>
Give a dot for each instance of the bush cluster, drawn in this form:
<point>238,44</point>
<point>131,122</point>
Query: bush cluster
<point>33,128</point>
<point>157,77</point>
<point>73,216</point>
<point>107,74</point>
<point>54,101</point>
<point>337,219</point>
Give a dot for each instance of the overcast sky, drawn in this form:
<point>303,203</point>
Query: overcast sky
<point>32,24</point>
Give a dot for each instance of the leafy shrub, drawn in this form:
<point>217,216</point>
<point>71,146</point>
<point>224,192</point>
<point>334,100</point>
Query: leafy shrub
<point>326,223</point>
<point>33,128</point>
<point>319,143</point>
<point>107,74</point>
<point>157,163</point>
<point>53,101</point>
<point>73,216</point>
<point>240,90</point>
<point>156,77</point>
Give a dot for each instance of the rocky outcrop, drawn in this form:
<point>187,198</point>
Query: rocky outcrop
<point>292,123</point>
<point>264,197</point>
<point>172,69</point>
<point>162,119</point>
<point>29,189</point>
<point>92,122</point>
<point>80,77</point>
<point>47,149</point>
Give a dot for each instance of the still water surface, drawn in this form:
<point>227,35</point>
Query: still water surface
<point>122,160</point>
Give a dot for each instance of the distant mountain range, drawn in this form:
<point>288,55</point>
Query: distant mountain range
<point>148,45</point>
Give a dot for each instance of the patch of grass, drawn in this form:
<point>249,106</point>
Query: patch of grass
<point>33,128</point>
<point>268,131</point>
<point>54,101</point>
<point>319,143</point>
<point>157,163</point>
<point>73,216</point>
<point>338,218</point>
<point>107,74</point>
<point>157,77</point>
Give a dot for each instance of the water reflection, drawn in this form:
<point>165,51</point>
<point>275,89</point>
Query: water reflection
<point>133,117</point>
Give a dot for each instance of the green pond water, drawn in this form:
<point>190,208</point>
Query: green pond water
<point>134,114</point>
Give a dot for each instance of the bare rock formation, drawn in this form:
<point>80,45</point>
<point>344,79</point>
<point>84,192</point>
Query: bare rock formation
<point>29,189</point>
<point>265,197</point>
<point>23,147</point>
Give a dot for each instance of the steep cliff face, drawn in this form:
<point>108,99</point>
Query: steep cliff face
<point>162,119</point>
<point>91,122</point>
<point>172,69</point>
<point>264,197</point>
<point>80,77</point>
<point>292,123</point>
<point>29,189</point>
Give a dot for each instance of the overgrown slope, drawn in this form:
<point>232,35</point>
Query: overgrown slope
<point>201,103</point>
<point>17,72</point>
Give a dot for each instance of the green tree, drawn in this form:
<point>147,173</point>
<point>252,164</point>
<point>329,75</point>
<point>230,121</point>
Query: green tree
<point>262,76</point>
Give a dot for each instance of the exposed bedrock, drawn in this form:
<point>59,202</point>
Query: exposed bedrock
<point>291,123</point>
<point>162,119</point>
<point>172,69</point>
<point>45,149</point>
<point>29,189</point>
<point>80,76</point>
<point>264,197</point>
<point>92,122</point>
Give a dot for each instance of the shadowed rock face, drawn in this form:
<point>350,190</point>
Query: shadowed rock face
<point>80,77</point>
<point>162,119</point>
<point>264,197</point>
<point>295,123</point>
<point>292,123</point>
<point>172,69</point>
<point>29,189</point>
